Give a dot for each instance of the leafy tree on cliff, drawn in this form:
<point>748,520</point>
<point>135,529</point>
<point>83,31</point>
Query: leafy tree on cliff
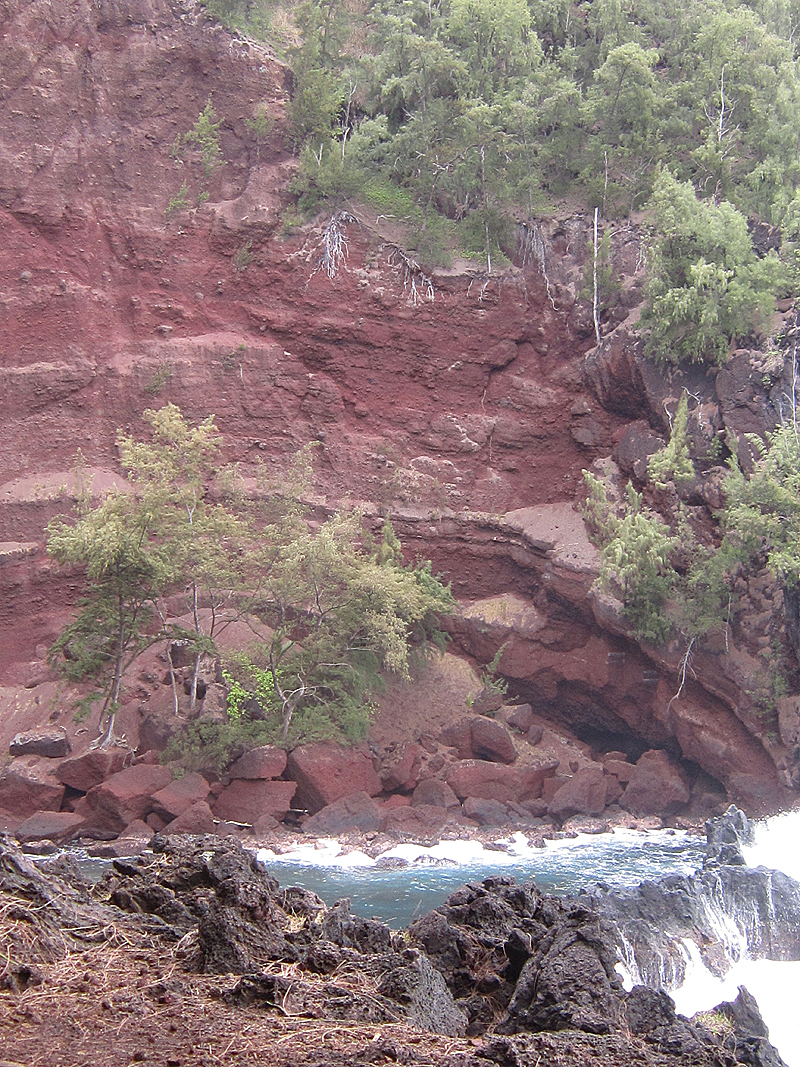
<point>340,610</point>
<point>707,286</point>
<point>203,542</point>
<point>125,573</point>
<point>762,513</point>
<point>339,607</point>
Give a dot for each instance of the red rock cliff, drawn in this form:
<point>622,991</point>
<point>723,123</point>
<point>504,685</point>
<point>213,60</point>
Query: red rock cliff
<point>449,401</point>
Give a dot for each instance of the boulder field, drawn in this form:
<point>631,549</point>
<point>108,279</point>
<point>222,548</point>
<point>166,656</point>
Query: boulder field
<point>476,773</point>
<point>462,404</point>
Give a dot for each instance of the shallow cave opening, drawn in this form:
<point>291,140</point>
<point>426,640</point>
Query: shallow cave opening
<point>601,740</point>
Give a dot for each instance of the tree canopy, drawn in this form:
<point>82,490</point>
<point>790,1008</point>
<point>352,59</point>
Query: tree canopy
<point>339,605</point>
<point>458,115</point>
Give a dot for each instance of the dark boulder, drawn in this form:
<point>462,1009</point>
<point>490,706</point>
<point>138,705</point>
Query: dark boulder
<point>725,836</point>
<point>51,744</point>
<point>749,1041</point>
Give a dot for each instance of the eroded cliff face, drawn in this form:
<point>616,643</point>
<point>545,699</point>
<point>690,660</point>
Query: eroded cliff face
<point>459,404</point>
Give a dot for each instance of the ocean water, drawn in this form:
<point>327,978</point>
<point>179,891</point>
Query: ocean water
<point>410,880</point>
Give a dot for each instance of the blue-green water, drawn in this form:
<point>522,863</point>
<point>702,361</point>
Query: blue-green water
<point>398,894</point>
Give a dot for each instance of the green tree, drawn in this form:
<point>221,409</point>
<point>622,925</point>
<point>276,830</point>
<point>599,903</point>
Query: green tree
<point>635,557</point>
<point>707,287</point>
<point>673,463</point>
<point>204,135</point>
<point>340,610</point>
<point>125,573</point>
<point>204,543</point>
<point>495,40</point>
<point>762,513</point>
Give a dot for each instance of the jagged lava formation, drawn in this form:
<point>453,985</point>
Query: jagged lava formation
<point>524,975</point>
<point>465,408</point>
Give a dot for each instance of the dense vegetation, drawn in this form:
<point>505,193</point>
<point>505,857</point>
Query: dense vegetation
<point>329,606</point>
<point>676,584</point>
<point>461,116</point>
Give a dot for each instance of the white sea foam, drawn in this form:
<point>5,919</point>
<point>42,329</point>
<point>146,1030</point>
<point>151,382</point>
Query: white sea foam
<point>773,983</point>
<point>776,844</point>
<point>328,852</point>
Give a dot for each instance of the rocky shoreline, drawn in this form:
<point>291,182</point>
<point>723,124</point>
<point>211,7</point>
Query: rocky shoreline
<point>209,957</point>
<point>479,776</point>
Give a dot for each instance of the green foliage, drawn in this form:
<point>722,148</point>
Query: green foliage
<point>635,558</point>
<point>216,745</point>
<point>340,606</point>
<point>243,256</point>
<point>492,685</point>
<point>159,378</point>
<point>340,611</point>
<point>673,463</point>
<point>707,286</point>
<point>762,512</point>
<point>83,707</point>
<point>124,574</point>
<point>323,177</point>
<point>253,17</point>
<point>180,201</point>
<point>260,126</point>
<point>608,282</point>
<point>669,583</point>
<point>204,135</point>
<point>479,106</point>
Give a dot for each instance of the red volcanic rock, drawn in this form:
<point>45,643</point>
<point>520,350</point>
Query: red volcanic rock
<point>197,819</point>
<point>520,716</point>
<point>157,728</point>
<point>27,785</point>
<point>9,823</point>
<point>424,823</point>
<point>758,797</point>
<point>656,787</point>
<point>583,794</point>
<point>496,781</point>
<point>246,801</point>
<point>396,800</point>
<point>326,771</point>
<point>58,826</point>
<point>486,812</point>
<point>399,769</point>
<point>614,789</point>
<point>622,770</point>
<point>265,824</point>
<point>125,796</point>
<point>535,733</point>
<point>103,293</point>
<point>179,795</point>
<point>134,839</point>
<point>266,761</point>
<point>84,772</point>
<point>551,786</point>
<point>136,830</point>
<point>432,792</point>
<point>458,735</point>
<point>358,811</point>
<point>635,447</point>
<point>154,822</point>
<point>491,740</point>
